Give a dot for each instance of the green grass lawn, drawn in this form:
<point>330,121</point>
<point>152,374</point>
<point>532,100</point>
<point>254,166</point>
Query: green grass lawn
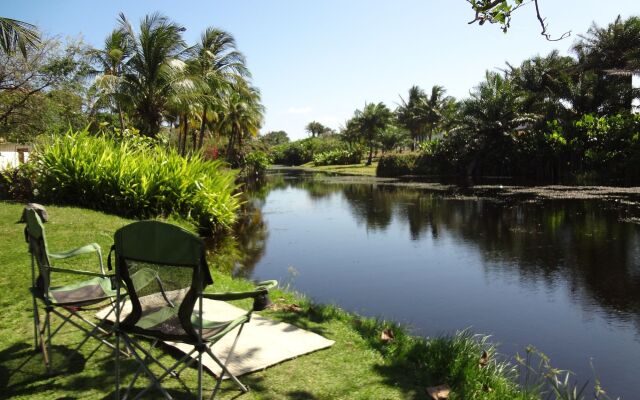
<point>359,366</point>
<point>353,169</point>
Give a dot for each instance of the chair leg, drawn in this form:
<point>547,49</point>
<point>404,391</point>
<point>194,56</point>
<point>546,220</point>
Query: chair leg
<point>140,369</point>
<point>150,375</point>
<point>49,356</point>
<point>167,371</point>
<point>85,330</point>
<point>200,375</point>
<point>117,366</point>
<point>36,324</point>
<point>40,339</point>
<point>225,370</point>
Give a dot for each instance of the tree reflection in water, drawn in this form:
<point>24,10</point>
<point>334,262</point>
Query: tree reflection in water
<point>581,242</point>
<point>563,261</point>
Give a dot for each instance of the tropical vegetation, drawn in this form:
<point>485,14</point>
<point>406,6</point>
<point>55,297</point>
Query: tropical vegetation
<point>552,118</point>
<point>132,178</point>
<point>145,77</point>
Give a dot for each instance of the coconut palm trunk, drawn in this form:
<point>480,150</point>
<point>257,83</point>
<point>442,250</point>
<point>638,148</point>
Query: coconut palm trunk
<point>202,127</point>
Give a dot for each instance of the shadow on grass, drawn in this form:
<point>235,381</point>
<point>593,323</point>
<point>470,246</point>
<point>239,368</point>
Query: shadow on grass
<point>22,369</point>
<point>403,365</point>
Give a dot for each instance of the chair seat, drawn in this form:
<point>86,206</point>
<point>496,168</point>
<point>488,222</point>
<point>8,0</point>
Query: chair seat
<point>91,291</point>
<point>163,323</point>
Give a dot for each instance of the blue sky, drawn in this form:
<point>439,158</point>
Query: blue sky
<point>320,60</point>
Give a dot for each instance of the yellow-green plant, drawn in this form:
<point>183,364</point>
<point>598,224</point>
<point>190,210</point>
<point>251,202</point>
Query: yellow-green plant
<point>135,180</point>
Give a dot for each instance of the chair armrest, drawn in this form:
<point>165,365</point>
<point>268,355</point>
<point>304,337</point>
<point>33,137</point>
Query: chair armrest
<point>90,248</point>
<point>79,272</point>
<point>260,295</point>
<point>261,289</point>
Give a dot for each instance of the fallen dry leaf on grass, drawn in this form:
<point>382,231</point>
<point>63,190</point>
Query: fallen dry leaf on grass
<point>287,308</point>
<point>484,359</point>
<point>387,335</point>
<point>440,392</point>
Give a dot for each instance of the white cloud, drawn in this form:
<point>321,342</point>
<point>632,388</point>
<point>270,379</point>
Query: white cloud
<point>299,110</point>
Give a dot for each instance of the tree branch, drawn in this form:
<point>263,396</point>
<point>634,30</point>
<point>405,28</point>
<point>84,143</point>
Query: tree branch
<point>500,11</point>
<point>544,26</point>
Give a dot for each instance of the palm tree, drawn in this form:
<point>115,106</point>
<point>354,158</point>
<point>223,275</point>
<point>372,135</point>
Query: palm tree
<point>409,114</point>
<point>431,109</point>
<point>315,128</point>
<point>154,69</point>
<point>217,63</point>
<point>372,120</point>
<point>241,116</point>
<point>545,83</point>
<point>491,115</point>
<point>422,114</point>
<point>613,54</point>
<point>18,35</point>
<point>110,62</point>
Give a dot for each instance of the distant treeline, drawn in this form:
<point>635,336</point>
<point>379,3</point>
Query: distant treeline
<point>552,118</point>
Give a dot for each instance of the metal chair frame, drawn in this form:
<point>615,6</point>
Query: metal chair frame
<point>202,345</point>
<point>40,285</point>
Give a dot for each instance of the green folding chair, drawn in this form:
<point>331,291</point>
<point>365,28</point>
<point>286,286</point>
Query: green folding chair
<point>171,307</point>
<point>66,301</point>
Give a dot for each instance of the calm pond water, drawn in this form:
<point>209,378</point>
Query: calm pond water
<point>561,275</point>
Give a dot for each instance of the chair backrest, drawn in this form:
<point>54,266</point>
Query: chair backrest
<point>35,236</point>
<point>177,260</point>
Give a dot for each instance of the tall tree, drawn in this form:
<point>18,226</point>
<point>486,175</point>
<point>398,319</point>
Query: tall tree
<point>274,138</point>
<point>545,84</point>
<point>490,117</point>
<point>154,69</point>
<point>242,116</point>
<point>217,63</point>
<point>316,128</point>
<point>611,54</point>
<point>31,89</point>
<point>110,62</point>
<point>432,109</point>
<point>410,114</point>
<point>371,121</point>
<point>18,35</point>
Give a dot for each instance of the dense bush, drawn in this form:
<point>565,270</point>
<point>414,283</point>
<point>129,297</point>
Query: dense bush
<point>338,157</point>
<point>302,151</point>
<point>397,164</point>
<point>134,180</point>
<point>611,144</point>
<point>17,183</point>
<point>255,163</point>
<point>603,148</point>
<point>294,153</point>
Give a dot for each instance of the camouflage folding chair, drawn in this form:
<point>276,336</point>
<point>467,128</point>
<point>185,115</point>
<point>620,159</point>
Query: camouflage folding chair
<point>171,307</point>
<point>68,300</point>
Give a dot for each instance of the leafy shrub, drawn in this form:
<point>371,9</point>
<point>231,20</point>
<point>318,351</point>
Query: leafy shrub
<point>302,151</point>
<point>338,157</point>
<point>17,183</point>
<point>611,144</point>
<point>397,164</point>
<point>256,163</point>
<point>294,153</point>
<point>135,180</point>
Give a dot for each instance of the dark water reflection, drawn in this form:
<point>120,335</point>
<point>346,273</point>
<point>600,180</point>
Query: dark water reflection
<point>561,275</point>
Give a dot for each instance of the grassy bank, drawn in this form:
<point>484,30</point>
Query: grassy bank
<point>359,366</point>
<point>353,169</point>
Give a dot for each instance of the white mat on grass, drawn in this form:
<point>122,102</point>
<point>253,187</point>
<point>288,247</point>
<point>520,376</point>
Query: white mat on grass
<point>263,342</point>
